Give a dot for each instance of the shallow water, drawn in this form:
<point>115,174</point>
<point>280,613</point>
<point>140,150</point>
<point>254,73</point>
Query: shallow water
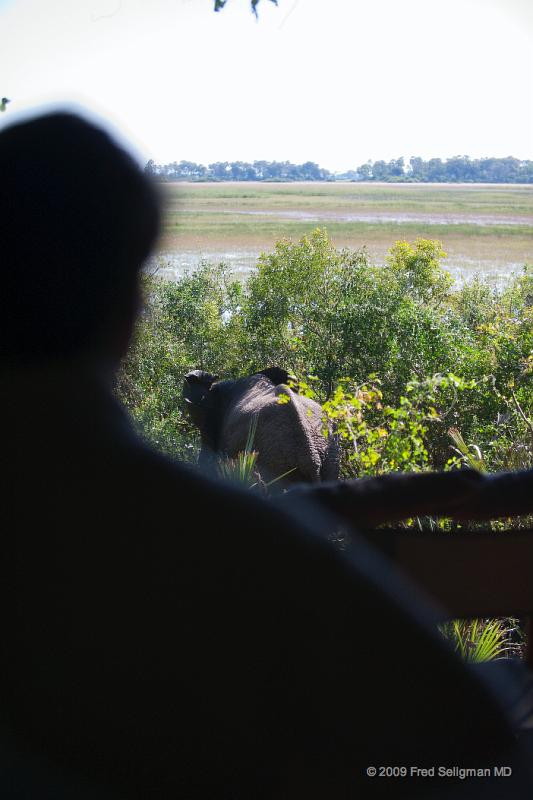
<point>383,218</point>
<point>172,266</point>
<point>485,230</point>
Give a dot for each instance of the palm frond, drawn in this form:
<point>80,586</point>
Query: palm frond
<point>469,455</point>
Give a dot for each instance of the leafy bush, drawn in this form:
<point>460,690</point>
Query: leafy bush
<point>397,356</point>
<point>333,314</point>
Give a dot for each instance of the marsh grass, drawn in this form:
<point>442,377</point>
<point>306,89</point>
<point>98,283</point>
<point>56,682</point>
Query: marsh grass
<point>483,639</point>
<point>503,198</point>
<point>252,216</point>
<point>243,468</point>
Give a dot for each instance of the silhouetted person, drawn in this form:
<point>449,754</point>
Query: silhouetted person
<point>164,636</point>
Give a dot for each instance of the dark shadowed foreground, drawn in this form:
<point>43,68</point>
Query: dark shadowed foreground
<point>163,635</point>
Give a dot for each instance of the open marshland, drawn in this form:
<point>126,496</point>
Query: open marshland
<point>484,228</point>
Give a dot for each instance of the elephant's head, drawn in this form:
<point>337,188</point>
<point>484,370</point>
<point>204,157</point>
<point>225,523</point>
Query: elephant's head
<point>206,410</point>
<point>196,388</point>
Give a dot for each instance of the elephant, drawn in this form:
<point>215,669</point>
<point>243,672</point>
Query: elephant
<point>289,433</point>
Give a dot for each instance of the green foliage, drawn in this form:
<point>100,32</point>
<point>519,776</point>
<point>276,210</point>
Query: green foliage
<point>333,314</point>
<point>482,640</point>
<point>470,456</point>
<point>298,304</point>
<point>378,438</point>
<point>485,170</point>
<point>241,469</point>
<point>194,321</point>
<point>396,356</point>
<point>418,271</point>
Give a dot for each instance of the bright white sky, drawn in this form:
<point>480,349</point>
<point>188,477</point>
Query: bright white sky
<point>332,81</point>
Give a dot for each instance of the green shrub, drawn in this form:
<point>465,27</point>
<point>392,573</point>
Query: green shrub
<point>394,346</point>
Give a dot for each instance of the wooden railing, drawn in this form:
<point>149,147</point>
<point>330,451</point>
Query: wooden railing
<point>474,574</point>
<point>477,573</point>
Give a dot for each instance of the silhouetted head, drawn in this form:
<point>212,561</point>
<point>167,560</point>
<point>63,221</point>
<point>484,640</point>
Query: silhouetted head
<point>77,220</point>
<point>196,388</point>
<point>196,394</point>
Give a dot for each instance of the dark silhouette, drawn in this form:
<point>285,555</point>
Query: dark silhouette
<point>164,636</point>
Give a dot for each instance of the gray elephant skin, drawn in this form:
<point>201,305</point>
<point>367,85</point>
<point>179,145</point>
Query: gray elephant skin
<point>289,435</point>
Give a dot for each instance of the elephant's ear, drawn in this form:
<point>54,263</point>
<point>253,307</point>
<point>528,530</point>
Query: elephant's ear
<point>278,375</point>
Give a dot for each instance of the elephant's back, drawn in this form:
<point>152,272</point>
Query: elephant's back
<point>287,431</point>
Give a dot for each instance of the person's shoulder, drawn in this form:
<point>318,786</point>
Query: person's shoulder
<point>197,493</point>
<point>180,493</point>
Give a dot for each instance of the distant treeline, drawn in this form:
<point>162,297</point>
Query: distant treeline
<point>459,169</point>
